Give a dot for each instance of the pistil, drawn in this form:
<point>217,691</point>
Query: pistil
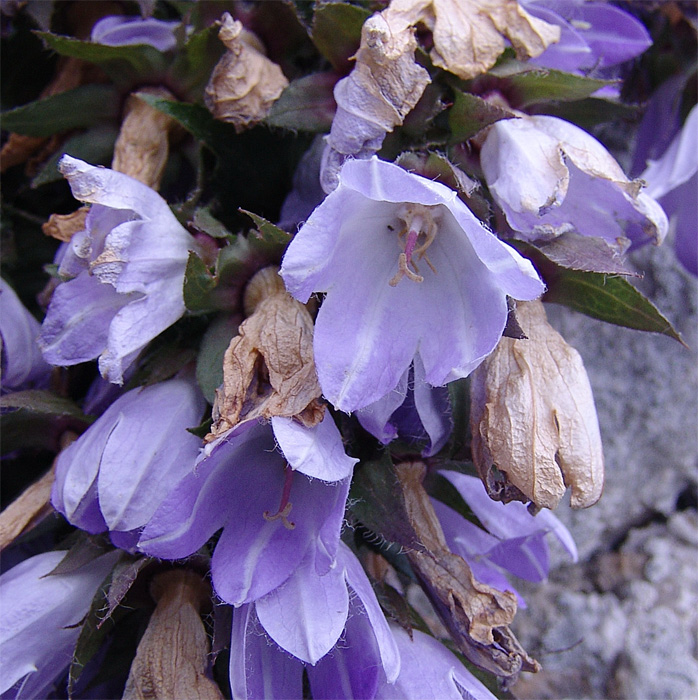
<point>285,505</point>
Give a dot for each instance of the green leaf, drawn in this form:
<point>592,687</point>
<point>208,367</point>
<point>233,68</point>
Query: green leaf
<point>37,419</point>
<point>209,365</point>
<point>526,85</point>
<point>378,503</point>
<point>193,65</point>
<point>125,65</point>
<point>610,299</point>
<point>74,109</point>
<point>95,146</point>
<point>204,221</point>
<point>86,549</point>
<point>470,113</point>
<point>337,32</point>
<point>307,104</point>
<point>270,234</point>
<point>198,284</point>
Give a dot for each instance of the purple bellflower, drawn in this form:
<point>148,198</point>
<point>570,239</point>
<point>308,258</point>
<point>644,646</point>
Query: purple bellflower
<point>115,475</point>
<point>40,620</point>
<point>332,623</point>
<point>22,362</point>
<point>278,492</point>
<point>121,30</point>
<point>572,183</point>
<point>593,35</point>
<point>673,181</point>
<point>409,272</point>
<point>127,269</point>
<point>515,541</point>
<point>429,670</point>
<point>414,411</point>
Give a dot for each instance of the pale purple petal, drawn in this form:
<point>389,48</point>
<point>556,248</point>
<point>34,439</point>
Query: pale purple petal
<point>434,410</point>
<point>39,625</point>
<point>358,581</point>
<point>121,30</point>
<point>148,451</point>
<point>375,418</point>
<point>22,362</point>
<point>317,452</point>
<point>259,670</point>
<point>430,670</point>
<point>307,614</point>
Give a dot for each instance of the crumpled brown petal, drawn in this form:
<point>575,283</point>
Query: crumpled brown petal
<point>533,418</point>
<point>269,369</point>
<point>469,35</point>
<point>171,660</point>
<point>245,83</point>
<point>476,615</point>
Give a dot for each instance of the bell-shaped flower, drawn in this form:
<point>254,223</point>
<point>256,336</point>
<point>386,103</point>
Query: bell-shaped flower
<point>122,30</point>
<point>115,475</point>
<point>673,181</point>
<point>408,271</point>
<point>332,623</point>
<point>277,491</point>
<point>571,183</point>
<point>40,621</point>
<point>22,362</point>
<point>127,269</point>
<point>515,541</point>
<point>593,35</point>
<point>413,411</point>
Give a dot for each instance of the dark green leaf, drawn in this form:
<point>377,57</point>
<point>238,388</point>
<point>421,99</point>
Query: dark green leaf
<point>270,234</point>
<point>198,284</point>
<point>307,104</point>
<point>86,549</point>
<point>125,65</point>
<point>123,577</point>
<point>209,366</point>
<point>192,67</point>
<point>470,114</point>
<point>37,419</point>
<point>378,503</point>
<point>161,364</point>
<point>74,109</point>
<point>205,222</point>
<point>337,32</point>
<point>459,395</point>
<point>95,146</point>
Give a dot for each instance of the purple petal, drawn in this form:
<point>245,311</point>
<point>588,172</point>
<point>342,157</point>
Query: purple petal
<point>429,670</point>
<point>682,207</point>
<point>317,452</point>
<point>359,583</point>
<point>433,408</point>
<point>22,362</point>
<point>120,30</point>
<point>41,619</point>
<point>307,614</point>
<point>259,670</point>
<point>375,418</point>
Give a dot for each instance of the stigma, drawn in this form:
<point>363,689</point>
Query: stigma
<point>417,233</point>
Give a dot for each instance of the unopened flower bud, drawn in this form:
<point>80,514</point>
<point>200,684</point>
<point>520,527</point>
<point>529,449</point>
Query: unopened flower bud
<point>533,418</point>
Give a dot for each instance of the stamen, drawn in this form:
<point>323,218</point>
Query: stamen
<point>285,506</point>
<point>415,237</point>
<point>404,271</point>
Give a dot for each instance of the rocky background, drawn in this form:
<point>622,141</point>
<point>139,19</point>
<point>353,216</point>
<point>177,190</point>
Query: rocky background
<point>623,622</point>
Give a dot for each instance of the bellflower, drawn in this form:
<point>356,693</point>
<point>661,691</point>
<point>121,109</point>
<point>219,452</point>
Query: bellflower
<point>127,269</point>
<point>514,541</point>
<point>673,181</point>
<point>593,35</point>
<point>22,362</point>
<point>572,183</point>
<point>40,622</point>
<point>409,272</point>
<point>121,30</point>
<point>332,623</point>
<point>115,475</point>
<point>274,505</point>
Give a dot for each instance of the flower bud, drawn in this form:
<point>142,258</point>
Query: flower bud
<point>533,418</point>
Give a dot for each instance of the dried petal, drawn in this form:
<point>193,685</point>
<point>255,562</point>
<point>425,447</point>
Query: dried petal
<point>245,83</point>
<point>533,418</point>
<point>268,369</point>
<point>172,655</point>
<point>64,226</point>
<point>469,35</point>
<point>476,614</point>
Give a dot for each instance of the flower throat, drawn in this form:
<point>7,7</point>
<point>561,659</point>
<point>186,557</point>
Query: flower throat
<point>415,236</point>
